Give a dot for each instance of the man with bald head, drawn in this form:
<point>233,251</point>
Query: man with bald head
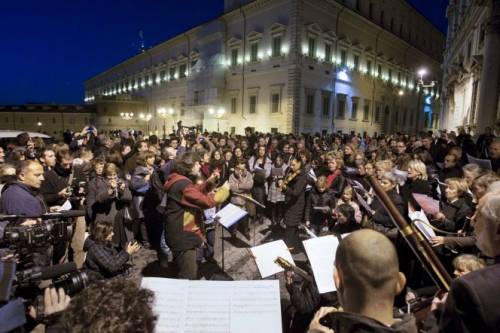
<point>368,279</point>
<point>21,197</point>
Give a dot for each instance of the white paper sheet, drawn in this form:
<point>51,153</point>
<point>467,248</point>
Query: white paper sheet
<point>484,164</point>
<point>417,217</point>
<point>230,215</point>
<point>266,254</point>
<point>215,306</point>
<point>321,253</point>
<point>66,206</point>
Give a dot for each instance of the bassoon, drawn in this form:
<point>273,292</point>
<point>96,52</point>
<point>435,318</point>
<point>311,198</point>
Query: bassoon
<point>422,249</point>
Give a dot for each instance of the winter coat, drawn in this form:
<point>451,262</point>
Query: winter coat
<point>455,213</point>
<point>103,261</point>
<point>346,322</point>
<point>240,185</point>
<point>20,199</point>
<point>317,199</point>
<point>295,200</point>
<point>186,202</point>
<point>416,186</point>
<point>139,187</point>
<point>381,219</point>
<point>95,185</point>
<point>114,208</point>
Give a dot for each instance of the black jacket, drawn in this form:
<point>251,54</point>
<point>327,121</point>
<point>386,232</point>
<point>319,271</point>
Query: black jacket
<point>317,199</point>
<point>456,214</point>
<point>295,200</point>
<point>345,322</point>
<point>473,303</point>
<point>417,186</point>
<point>382,221</point>
<point>103,261</point>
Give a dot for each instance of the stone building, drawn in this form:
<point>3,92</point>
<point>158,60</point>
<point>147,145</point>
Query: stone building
<point>282,66</point>
<point>52,119</point>
<point>471,65</point>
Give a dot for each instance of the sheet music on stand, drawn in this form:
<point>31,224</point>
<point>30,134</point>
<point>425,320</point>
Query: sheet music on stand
<point>215,306</point>
<point>321,254</point>
<point>266,254</point>
<point>230,215</point>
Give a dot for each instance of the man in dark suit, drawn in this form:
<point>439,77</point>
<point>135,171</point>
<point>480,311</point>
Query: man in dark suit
<point>473,302</point>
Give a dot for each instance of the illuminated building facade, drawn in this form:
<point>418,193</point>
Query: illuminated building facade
<point>286,66</point>
<point>471,78</point>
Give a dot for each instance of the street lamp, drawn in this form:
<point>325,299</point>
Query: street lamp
<point>146,117</point>
<point>39,124</point>
<point>165,113</point>
<point>127,115</point>
<point>217,113</point>
<point>421,85</point>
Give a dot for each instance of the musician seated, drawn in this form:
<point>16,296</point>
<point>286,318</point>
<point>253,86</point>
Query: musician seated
<point>368,279</point>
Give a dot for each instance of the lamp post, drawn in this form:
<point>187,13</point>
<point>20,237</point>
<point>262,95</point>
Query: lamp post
<point>217,113</point>
<point>164,113</point>
<point>420,86</point>
<point>146,117</point>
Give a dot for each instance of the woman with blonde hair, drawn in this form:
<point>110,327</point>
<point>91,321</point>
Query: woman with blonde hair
<point>416,183</point>
<point>454,211</point>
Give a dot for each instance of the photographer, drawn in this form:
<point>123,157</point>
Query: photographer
<point>104,261</point>
<point>56,188</point>
<point>112,203</point>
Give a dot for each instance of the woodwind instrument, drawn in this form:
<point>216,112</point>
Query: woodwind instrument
<point>291,176</point>
<point>425,254</point>
<point>286,265</point>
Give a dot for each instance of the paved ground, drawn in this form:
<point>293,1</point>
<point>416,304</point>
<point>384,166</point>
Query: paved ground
<point>238,263</point>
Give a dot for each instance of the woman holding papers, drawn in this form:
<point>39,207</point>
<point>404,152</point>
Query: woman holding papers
<point>294,187</point>
<point>260,166</point>
<point>454,211</point>
<point>241,182</point>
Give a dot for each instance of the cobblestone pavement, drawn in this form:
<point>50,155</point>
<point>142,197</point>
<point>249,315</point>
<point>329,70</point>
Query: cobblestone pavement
<point>238,263</point>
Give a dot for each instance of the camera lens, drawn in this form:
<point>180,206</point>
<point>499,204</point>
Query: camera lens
<point>74,283</point>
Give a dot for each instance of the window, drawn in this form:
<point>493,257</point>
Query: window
<point>341,108</point>
<point>356,62</point>
<point>343,57</point>
<point>357,5</point>
<point>469,49</point>
<point>53,120</point>
<point>377,113</point>
<point>379,71</point>
<point>390,75</point>
<point>382,18</point>
<point>183,71</point>
<point>328,53</point>
<point>354,109</point>
<point>366,111</point>
<point>401,29</point>
<point>391,27</point>
<point>234,100</point>
<point>162,75</point>
<point>6,120</point>
<point>232,129</point>
<point>253,104</point>
<point>234,57</point>
<point>399,78</point>
<point>370,10</point>
<point>109,120</point>
<point>21,120</point>
<point>326,105</point>
<point>404,116</point>
<point>275,103</point>
<point>196,97</point>
<point>171,73</point>
<point>312,48</point>
<point>254,52</point>
<point>369,67</point>
<point>274,130</point>
<point>310,103</point>
<point>276,46</point>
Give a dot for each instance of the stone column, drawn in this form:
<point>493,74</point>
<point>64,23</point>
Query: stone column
<point>490,74</point>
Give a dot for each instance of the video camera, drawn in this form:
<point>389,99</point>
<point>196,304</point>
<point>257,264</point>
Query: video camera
<point>22,239</point>
<point>24,287</point>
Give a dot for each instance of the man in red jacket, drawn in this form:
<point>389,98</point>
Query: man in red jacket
<point>185,204</point>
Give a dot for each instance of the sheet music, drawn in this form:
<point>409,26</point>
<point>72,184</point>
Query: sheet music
<point>417,217</point>
<point>186,306</point>
<point>358,186</point>
<point>428,204</point>
<point>309,232</point>
<point>66,206</point>
<point>362,202</point>
<point>321,253</point>
<point>230,215</point>
<point>484,164</point>
<point>266,254</point>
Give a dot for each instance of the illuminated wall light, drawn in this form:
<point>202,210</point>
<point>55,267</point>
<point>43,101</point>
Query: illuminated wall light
<point>337,61</point>
<point>247,58</point>
<point>158,80</point>
<point>143,84</point>
<point>150,82</point>
<point>269,52</point>
<point>342,75</point>
<point>176,76</point>
<point>350,65</point>
<point>284,49</point>
<point>260,55</point>
<point>305,49</point>
<point>130,86</point>
<point>320,55</point>
<point>136,86</point>
<point>240,60</point>
<point>119,90</point>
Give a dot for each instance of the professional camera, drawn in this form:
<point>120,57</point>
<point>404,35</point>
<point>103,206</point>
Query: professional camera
<point>23,287</point>
<point>39,235</point>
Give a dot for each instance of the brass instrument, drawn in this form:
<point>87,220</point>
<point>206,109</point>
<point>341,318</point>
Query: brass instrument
<point>286,265</point>
<point>291,176</point>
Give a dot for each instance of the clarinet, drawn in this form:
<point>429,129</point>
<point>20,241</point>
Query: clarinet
<point>286,265</point>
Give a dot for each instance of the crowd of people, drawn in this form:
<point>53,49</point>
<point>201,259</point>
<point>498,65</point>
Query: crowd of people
<point>163,193</point>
